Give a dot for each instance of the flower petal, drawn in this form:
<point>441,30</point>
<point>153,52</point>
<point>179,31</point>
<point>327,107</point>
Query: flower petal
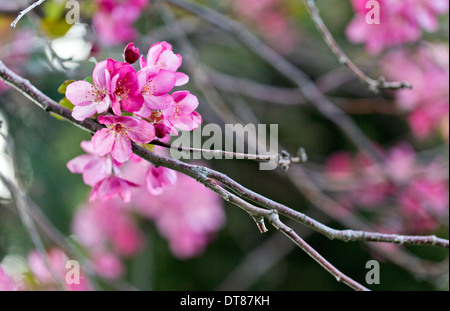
<point>103,141</point>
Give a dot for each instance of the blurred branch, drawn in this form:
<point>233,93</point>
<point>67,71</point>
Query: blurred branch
<point>372,85</point>
<point>24,12</point>
<point>19,198</point>
<point>289,96</point>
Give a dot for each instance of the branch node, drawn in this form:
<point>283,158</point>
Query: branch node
<point>260,224</point>
<point>285,160</point>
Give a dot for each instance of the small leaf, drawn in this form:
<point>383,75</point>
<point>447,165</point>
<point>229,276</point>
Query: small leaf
<point>66,103</point>
<point>63,87</point>
<point>89,79</point>
<point>149,147</point>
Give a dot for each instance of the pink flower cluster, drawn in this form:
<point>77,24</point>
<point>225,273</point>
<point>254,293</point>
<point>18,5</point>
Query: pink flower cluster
<point>400,22</point>
<point>114,20</point>
<point>427,104</point>
<point>152,113</point>
<point>415,203</point>
<point>271,20</point>
<point>138,106</point>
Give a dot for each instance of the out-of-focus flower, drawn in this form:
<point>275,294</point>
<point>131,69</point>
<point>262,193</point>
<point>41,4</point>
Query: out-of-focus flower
<point>418,191</point>
<point>114,20</point>
<point>427,69</point>
<point>109,233</point>
<point>93,167</point>
<point>7,283</point>
<point>400,22</point>
<point>15,49</point>
<point>55,277</point>
<point>110,187</point>
<point>271,19</point>
<point>188,215</point>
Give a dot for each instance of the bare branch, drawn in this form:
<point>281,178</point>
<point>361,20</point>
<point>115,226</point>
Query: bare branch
<point>24,12</point>
<point>284,160</point>
<point>372,85</point>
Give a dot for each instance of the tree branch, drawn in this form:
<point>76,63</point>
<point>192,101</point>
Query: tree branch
<point>372,85</point>
<point>210,179</point>
<point>24,12</point>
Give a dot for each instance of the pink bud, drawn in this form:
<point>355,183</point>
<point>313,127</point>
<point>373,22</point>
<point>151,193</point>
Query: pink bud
<point>131,53</point>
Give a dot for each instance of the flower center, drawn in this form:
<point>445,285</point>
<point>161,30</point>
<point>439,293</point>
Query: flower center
<point>149,88</point>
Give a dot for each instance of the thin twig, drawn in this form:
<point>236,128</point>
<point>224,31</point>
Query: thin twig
<point>24,12</point>
<point>284,159</point>
<point>372,85</point>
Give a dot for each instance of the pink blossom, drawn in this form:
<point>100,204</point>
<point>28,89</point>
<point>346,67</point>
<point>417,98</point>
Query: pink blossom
<point>427,69</point>
<point>187,215</point>
<point>47,278</point>
<point>180,114</point>
<point>400,22</point>
<point>272,19</point>
<point>91,99</point>
<point>110,187</point>
<point>107,229</point>
<point>423,203</point>
<point>155,84</point>
<point>125,89</point>
<point>157,178</point>
<point>15,50</point>
<point>6,282</point>
<point>418,190</point>
<point>115,139</point>
<point>107,265</point>
<point>160,55</point>
<point>93,167</point>
<point>114,20</point>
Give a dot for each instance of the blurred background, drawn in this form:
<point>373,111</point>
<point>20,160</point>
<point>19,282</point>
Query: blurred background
<point>340,185</point>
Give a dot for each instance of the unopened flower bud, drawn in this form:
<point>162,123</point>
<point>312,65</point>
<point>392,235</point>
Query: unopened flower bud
<point>161,130</point>
<point>131,53</point>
